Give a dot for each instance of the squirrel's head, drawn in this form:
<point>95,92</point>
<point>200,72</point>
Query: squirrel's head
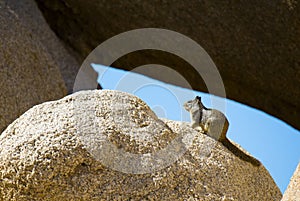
<point>193,104</point>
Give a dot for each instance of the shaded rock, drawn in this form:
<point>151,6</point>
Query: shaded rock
<point>63,56</point>
<point>109,145</point>
<point>86,79</point>
<point>31,58</point>
<point>255,44</point>
<point>293,190</point>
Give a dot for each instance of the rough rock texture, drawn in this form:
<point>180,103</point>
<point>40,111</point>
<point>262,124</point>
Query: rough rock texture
<point>255,44</point>
<point>47,154</point>
<point>293,190</point>
<point>33,21</point>
<point>30,57</point>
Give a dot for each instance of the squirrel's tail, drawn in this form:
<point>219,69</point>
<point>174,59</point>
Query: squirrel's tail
<point>239,153</point>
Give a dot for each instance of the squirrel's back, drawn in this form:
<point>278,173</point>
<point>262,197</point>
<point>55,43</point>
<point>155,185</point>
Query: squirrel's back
<point>215,123</point>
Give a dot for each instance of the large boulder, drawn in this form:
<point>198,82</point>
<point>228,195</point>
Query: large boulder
<point>255,44</point>
<point>293,190</point>
<point>31,60</point>
<point>109,145</point>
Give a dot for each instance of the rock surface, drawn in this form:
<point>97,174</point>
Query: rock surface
<point>293,190</point>
<point>31,57</point>
<point>33,21</point>
<point>58,151</point>
<point>255,44</point>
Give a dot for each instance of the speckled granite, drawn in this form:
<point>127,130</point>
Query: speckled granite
<point>292,192</point>
<point>32,60</point>
<point>59,151</point>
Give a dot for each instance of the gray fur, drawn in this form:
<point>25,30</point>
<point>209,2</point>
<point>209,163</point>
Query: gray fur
<point>214,124</point>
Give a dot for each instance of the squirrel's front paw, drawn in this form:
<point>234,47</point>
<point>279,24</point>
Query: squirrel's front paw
<point>198,128</point>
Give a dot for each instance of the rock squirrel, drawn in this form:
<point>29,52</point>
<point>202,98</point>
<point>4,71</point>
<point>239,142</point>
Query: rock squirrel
<point>214,124</point>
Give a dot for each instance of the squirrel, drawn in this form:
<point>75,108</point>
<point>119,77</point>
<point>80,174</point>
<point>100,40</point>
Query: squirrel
<point>214,123</point>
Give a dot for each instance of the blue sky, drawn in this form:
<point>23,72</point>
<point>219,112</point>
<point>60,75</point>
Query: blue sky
<point>273,142</point>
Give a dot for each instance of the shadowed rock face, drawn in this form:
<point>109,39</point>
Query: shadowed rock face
<point>255,44</point>
<point>58,151</point>
<point>30,57</point>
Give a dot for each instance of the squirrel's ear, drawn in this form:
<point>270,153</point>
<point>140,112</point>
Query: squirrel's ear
<point>198,98</point>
